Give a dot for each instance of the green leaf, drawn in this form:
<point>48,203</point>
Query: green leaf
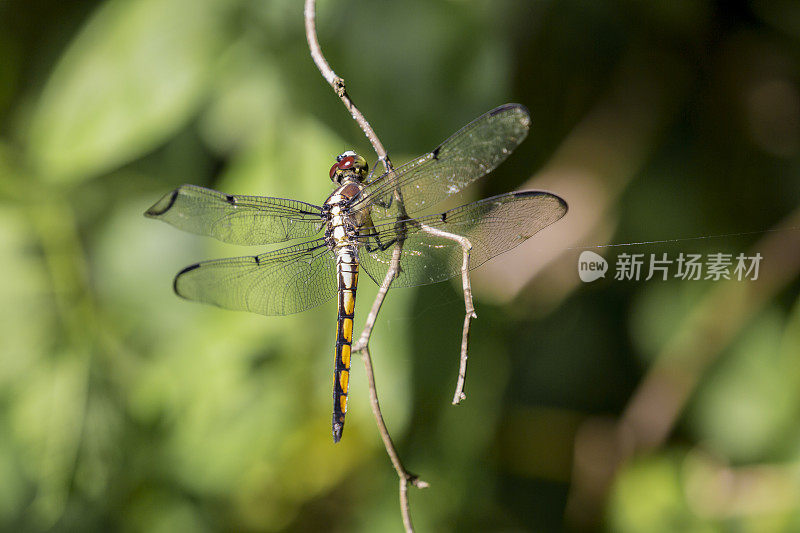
<point>132,76</point>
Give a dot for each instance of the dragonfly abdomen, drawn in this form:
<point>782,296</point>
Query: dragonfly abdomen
<point>347,273</point>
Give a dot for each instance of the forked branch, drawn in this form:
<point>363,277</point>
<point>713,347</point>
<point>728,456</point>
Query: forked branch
<point>362,345</point>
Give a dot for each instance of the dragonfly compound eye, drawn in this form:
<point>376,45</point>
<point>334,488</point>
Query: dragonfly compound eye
<point>354,165</point>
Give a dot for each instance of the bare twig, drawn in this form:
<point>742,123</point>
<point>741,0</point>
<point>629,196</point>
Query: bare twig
<point>404,475</point>
<point>394,269</point>
<point>337,83</point>
<point>466,246</point>
<point>362,345</point>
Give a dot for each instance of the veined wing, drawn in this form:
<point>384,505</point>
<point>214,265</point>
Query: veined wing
<point>473,151</point>
<point>493,226</point>
<point>281,282</point>
<point>237,219</point>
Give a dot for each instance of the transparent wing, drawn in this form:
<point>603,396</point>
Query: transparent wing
<point>473,151</point>
<point>281,282</point>
<point>237,219</point>
<point>493,226</point>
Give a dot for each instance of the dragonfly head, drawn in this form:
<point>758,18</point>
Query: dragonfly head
<point>349,166</point>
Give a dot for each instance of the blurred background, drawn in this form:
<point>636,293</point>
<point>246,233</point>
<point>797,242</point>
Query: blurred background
<point>616,405</point>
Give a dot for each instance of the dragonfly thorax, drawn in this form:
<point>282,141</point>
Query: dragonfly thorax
<point>349,166</point>
<point>342,223</point>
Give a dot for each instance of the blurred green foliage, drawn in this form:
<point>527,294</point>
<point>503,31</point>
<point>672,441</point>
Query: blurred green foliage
<point>124,408</point>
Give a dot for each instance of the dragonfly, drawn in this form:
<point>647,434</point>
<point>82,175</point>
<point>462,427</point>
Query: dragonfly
<point>364,222</point>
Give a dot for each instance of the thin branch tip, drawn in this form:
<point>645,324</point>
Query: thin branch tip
<point>337,83</point>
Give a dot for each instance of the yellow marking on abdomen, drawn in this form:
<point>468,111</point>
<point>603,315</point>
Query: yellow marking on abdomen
<point>344,381</point>
<point>347,329</point>
<point>346,358</point>
<point>348,302</point>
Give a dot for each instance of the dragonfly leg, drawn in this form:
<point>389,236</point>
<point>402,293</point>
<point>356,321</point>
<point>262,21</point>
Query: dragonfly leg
<point>466,247</point>
<point>370,233</point>
<point>380,246</point>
